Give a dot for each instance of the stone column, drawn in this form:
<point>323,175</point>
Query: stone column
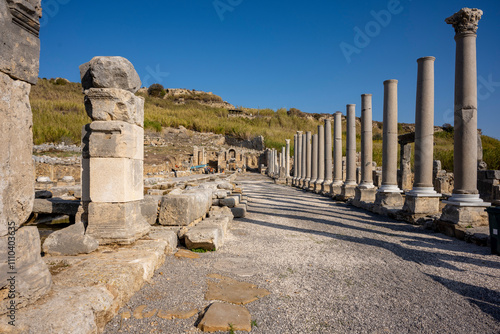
<point>287,158</point>
<point>314,163</point>
<point>325,186</point>
<point>308,157</point>
<point>349,186</point>
<point>336,186</point>
<point>365,191</point>
<point>465,193</point>
<point>113,151</point>
<point>321,159</point>
<point>389,194</point>
<point>295,164</point>
<point>300,158</point>
<point>422,199</point>
<point>19,61</point>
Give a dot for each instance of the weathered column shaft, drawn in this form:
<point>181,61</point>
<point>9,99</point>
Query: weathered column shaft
<point>328,152</point>
<point>390,137</point>
<point>304,157</point>
<point>308,156</point>
<point>299,155</point>
<point>337,148</point>
<point>287,158</point>
<point>366,141</point>
<point>295,158</point>
<point>321,154</point>
<point>351,145</point>
<point>314,163</point>
<point>424,123</point>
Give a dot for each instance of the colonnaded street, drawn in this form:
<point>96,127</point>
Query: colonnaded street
<point>329,268</point>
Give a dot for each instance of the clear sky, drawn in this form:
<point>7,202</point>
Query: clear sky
<point>279,54</point>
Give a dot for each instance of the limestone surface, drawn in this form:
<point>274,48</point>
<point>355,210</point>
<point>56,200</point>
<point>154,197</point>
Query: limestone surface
<point>110,72</point>
<point>224,317</point>
<point>70,241</point>
<point>233,291</point>
<point>182,209</point>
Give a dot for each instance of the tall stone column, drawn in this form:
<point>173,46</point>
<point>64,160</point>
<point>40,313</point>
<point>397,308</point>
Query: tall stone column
<point>336,186</point>
<point>321,159</point>
<point>365,191</point>
<point>389,194</point>
<point>19,62</point>
<point>308,157</point>
<point>300,158</point>
<point>465,207</point>
<point>113,151</point>
<point>287,158</point>
<point>349,186</point>
<point>314,163</point>
<point>422,199</point>
<point>295,155</point>
<point>325,186</point>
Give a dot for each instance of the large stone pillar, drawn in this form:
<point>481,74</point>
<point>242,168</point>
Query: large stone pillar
<point>308,156</point>
<point>300,158</point>
<point>422,200</point>
<point>465,207</point>
<point>19,245</point>
<point>365,191</point>
<point>295,165</point>
<point>113,151</point>
<point>321,159</point>
<point>287,158</point>
<point>349,186</point>
<point>325,186</point>
<point>336,186</point>
<point>389,194</point>
<point>314,162</point>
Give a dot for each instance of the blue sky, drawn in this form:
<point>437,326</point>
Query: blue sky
<point>279,54</point>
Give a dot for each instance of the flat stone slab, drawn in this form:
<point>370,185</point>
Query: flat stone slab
<point>225,317</point>
<point>232,291</point>
<point>71,240</point>
<point>54,205</point>
<point>187,254</point>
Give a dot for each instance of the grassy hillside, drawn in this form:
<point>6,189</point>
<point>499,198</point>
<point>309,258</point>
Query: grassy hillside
<point>59,114</point>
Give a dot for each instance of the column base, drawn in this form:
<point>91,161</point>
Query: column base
<point>389,188</point>
<point>280,180</point>
<point>364,197</point>
<point>298,182</point>
<point>317,186</point>
<point>387,201</point>
<point>305,183</point>
<point>335,189</point>
<point>325,187</point>
<point>465,216</point>
<point>466,200</point>
<point>420,205</point>
<point>116,223</point>
<point>348,191</point>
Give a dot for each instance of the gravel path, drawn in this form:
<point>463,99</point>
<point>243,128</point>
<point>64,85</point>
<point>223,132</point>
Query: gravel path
<point>331,268</point>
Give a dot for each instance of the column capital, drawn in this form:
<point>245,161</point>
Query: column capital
<point>422,59</point>
<point>465,20</point>
<point>300,132</point>
<point>287,141</point>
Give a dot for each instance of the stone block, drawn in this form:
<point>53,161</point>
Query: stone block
<point>112,139</point>
<point>207,192</point>
<point>465,216</point>
<point>389,200</point>
<point>421,205</point>
<point>183,208</point>
<point>239,211</point>
<point>110,180</point>
<point>120,223</point>
<point>348,192</point>
<point>111,104</point>
<point>33,279</point>
<point>223,211</point>
<point>55,205</point>
<point>17,180</point>
<point>364,196</point>
<point>209,237</point>
<point>150,206</point>
<point>110,72</point>
<point>335,189</point>
<point>70,241</point>
<point>20,51</point>
<point>165,234</point>
<point>230,201</point>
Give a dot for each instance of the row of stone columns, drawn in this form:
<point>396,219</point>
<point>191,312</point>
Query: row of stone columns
<point>314,170</point>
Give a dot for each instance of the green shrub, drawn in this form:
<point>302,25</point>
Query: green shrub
<point>156,90</point>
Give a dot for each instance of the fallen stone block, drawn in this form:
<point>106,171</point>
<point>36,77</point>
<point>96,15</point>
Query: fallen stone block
<point>209,237</point>
<point>221,211</point>
<point>167,235</point>
<point>183,208</point>
<point>55,205</point>
<point>215,202</point>
<point>149,208</point>
<point>225,317</point>
<point>239,211</point>
<point>70,241</point>
<point>110,72</point>
<point>230,201</point>
<point>224,185</point>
